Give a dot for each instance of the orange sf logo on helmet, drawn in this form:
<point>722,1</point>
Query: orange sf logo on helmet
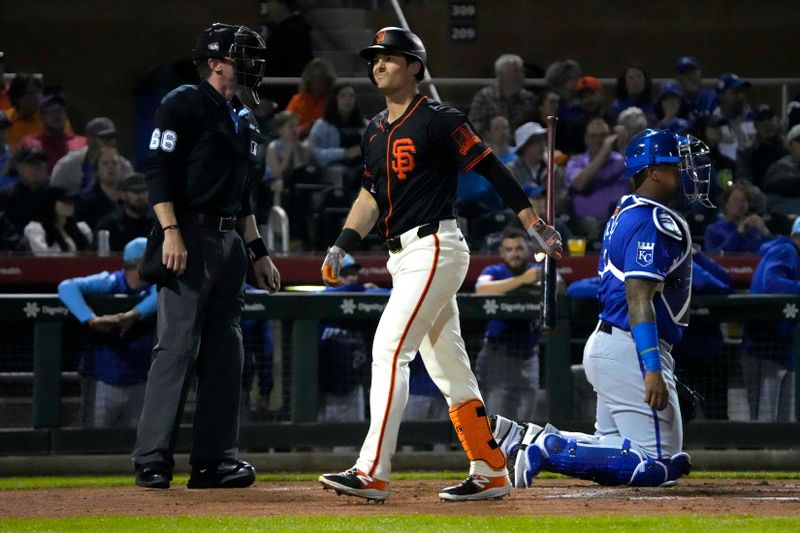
<point>380,37</point>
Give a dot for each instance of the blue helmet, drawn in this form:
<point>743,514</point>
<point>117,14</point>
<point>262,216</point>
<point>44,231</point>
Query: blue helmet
<point>662,147</point>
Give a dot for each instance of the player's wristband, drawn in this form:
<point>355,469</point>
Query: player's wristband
<point>257,249</point>
<point>348,239</point>
<point>645,335</point>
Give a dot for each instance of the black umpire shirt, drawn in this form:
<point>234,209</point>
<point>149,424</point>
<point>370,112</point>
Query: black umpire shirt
<point>411,165</point>
<point>197,159</point>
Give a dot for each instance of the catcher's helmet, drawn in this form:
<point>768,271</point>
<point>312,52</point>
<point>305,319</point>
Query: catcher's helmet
<point>661,147</point>
<point>239,43</point>
<point>394,39</point>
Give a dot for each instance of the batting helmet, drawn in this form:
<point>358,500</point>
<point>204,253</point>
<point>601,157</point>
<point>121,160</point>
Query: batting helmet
<point>660,147</point>
<point>392,39</point>
<point>239,43</point>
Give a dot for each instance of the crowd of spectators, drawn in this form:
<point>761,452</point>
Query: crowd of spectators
<point>59,188</point>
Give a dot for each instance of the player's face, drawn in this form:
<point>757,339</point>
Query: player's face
<point>392,72</point>
<point>515,253</point>
<point>669,179</point>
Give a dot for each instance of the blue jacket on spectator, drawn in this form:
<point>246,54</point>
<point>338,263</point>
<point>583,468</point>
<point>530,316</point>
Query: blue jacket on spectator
<point>777,273</point>
<point>723,235</point>
<point>115,360</point>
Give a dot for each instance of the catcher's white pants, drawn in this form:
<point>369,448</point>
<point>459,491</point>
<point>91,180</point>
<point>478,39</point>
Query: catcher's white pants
<point>421,315</point>
<point>612,367</point>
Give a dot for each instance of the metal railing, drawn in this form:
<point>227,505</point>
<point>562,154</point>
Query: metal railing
<point>302,314</point>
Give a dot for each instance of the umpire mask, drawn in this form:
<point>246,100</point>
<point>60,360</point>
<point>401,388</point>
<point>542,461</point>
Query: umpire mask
<point>239,43</point>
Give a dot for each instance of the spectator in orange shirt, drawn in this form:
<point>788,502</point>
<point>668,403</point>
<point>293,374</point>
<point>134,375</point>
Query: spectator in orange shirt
<point>25,93</point>
<point>54,139</point>
<point>309,102</point>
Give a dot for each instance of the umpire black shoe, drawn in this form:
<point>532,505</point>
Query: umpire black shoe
<point>153,475</point>
<point>230,474</point>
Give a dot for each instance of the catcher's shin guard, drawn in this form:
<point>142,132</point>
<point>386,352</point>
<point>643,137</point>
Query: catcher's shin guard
<point>472,426</point>
<point>607,465</point>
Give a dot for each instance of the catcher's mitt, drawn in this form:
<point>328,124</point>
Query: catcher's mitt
<point>689,400</point>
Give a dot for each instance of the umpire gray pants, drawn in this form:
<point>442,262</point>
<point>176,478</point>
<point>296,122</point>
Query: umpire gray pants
<point>197,329</point>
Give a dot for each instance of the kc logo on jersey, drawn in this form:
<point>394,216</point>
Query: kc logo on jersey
<point>465,138</point>
<point>403,151</point>
<point>644,253</point>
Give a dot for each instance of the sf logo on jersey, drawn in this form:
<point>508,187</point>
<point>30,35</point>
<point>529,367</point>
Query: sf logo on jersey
<point>403,151</point>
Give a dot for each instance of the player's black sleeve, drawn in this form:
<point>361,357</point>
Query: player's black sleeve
<point>491,168</point>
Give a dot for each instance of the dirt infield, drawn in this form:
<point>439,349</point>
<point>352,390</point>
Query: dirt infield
<point>549,497</point>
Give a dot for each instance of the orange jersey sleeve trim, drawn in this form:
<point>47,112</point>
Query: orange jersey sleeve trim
<point>478,159</point>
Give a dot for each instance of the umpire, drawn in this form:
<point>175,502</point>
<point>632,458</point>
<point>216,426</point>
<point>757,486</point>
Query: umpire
<point>201,152</point>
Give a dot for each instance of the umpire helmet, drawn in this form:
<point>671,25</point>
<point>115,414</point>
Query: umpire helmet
<point>240,43</point>
<point>659,147</point>
<point>393,39</point>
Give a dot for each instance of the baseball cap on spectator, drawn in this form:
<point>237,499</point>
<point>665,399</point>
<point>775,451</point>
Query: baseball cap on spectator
<point>731,81</point>
<point>52,99</point>
<point>100,127</point>
<point>525,132</point>
<point>794,134</point>
<point>133,182</point>
<point>670,88</point>
<point>30,153</point>
<point>763,112</point>
<point>349,262</point>
<point>588,83</point>
<point>686,63</point>
<point>5,122</point>
<point>134,250</point>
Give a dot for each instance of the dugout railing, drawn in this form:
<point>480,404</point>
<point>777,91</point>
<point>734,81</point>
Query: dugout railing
<point>299,316</point>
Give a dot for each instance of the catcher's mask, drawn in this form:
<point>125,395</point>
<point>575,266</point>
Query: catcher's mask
<point>240,44</point>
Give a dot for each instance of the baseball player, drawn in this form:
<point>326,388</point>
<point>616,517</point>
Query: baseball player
<point>645,287</point>
<point>413,151</point>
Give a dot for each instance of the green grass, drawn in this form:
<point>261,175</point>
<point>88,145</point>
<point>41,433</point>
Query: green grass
<point>415,523</point>
<point>53,482</point>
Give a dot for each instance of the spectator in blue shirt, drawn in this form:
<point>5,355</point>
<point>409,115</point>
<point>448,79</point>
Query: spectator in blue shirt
<point>508,363</point>
<point>697,100</point>
<point>634,89</point>
<point>115,368</point>
<point>738,230</point>
<point>768,346</point>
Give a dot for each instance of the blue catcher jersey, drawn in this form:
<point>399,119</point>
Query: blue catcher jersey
<point>645,239</point>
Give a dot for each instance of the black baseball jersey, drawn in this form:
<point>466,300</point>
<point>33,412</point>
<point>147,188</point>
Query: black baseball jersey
<point>197,159</point>
<point>411,165</point>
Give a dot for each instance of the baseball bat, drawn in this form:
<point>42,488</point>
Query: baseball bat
<point>549,275</point>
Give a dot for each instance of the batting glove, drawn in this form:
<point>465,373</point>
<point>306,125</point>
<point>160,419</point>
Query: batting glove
<point>546,240</point>
<point>332,266</point>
